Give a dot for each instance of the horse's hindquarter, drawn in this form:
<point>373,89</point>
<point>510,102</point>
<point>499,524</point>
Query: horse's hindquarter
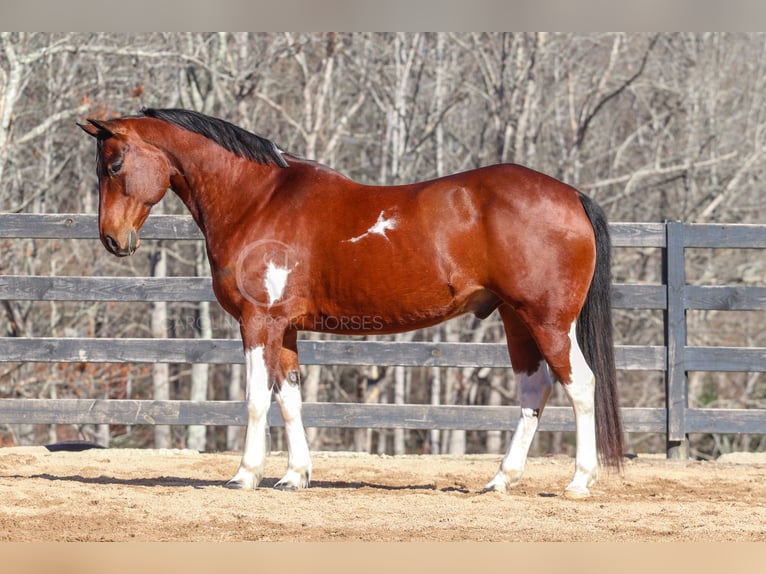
<point>540,240</point>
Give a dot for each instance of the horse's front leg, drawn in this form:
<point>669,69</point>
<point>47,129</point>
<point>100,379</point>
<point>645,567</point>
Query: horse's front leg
<point>258,397</point>
<point>289,399</point>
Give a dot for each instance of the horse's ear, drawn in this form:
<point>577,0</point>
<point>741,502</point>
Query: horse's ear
<point>97,129</point>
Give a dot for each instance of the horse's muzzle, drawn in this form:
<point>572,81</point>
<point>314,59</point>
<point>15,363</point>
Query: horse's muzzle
<point>114,247</point>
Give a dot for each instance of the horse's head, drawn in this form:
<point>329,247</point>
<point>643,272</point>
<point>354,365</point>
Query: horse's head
<point>133,176</point>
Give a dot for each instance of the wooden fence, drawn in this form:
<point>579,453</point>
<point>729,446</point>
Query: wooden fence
<point>674,297</point>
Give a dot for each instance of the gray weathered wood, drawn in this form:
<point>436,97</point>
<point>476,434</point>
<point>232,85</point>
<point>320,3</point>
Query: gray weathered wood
<point>674,297</point>
<point>411,354</point>
<point>338,352</point>
<point>721,236</point>
<point>726,359</point>
<point>346,415</point>
<point>675,336</point>
<point>123,412</point>
<point>726,421</point>
<point>351,415</point>
<point>641,358</point>
<point>48,288</point>
<point>637,234</point>
<point>49,226</point>
<point>725,298</point>
<point>75,350</point>
<point>85,226</point>
<point>628,296</point>
<point>76,288</point>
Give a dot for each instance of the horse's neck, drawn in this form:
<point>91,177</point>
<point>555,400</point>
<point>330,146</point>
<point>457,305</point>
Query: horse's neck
<point>212,194</point>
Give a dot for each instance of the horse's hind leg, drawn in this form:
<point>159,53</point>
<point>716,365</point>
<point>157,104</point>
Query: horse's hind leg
<point>535,386</point>
<point>580,389</point>
<point>567,365</point>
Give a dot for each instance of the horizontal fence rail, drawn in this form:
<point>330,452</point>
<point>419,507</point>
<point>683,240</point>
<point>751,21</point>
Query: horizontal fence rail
<point>44,288</point>
<point>675,358</point>
<point>350,353</point>
<point>182,227</point>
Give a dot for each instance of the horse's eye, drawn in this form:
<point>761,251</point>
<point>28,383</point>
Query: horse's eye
<point>115,167</point>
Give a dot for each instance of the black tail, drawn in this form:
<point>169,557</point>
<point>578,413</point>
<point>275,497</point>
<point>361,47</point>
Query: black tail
<point>594,334</point>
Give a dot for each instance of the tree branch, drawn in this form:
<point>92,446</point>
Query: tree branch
<point>583,128</point>
<point>42,127</point>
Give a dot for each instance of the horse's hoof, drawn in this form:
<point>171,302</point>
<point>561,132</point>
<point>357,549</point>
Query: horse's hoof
<point>576,493</point>
<point>491,491</point>
<point>294,480</point>
<point>284,487</point>
<point>494,488</point>
<point>292,485</point>
<point>244,480</point>
<point>502,483</point>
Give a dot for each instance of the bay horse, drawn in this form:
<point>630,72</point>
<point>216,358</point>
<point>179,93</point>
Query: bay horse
<point>294,245</point>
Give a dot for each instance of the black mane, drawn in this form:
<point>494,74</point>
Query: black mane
<point>233,138</point>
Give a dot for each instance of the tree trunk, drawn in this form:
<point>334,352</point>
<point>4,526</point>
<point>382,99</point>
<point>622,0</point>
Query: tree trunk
<point>311,395</point>
<point>495,438</point>
<point>234,433</point>
<point>400,386</point>
<point>436,386</point>
<point>160,371</point>
<point>361,436</point>
<point>196,438</point>
<point>454,391</point>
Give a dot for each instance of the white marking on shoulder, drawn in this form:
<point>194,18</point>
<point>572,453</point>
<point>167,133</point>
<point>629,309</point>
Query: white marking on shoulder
<point>276,281</point>
<point>380,227</point>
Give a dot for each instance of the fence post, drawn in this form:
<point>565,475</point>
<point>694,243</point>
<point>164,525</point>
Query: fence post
<point>676,391</point>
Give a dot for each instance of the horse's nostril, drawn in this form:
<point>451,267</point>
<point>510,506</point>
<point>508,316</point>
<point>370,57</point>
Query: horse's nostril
<point>111,244</point>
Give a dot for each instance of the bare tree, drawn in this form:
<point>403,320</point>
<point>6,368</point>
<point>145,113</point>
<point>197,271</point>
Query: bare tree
<point>653,126</point>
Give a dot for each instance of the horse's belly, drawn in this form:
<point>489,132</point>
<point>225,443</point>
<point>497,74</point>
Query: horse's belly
<point>394,315</point>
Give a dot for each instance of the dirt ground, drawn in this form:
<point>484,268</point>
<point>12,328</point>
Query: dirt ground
<point>170,495</point>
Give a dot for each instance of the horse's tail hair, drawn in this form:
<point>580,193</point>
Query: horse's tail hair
<point>594,334</point>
